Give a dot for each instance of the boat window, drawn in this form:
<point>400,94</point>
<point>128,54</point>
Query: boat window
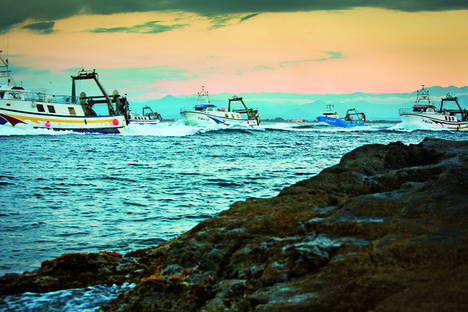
<point>51,108</point>
<point>71,110</point>
<point>15,96</point>
<point>40,108</point>
<point>1,94</point>
<point>227,116</point>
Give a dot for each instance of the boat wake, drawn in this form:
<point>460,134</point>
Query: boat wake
<point>321,127</point>
<point>179,128</point>
<point>165,129</point>
<point>22,130</point>
<point>402,126</point>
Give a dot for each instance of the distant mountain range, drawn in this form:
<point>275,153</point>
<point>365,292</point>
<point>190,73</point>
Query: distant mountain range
<point>382,106</point>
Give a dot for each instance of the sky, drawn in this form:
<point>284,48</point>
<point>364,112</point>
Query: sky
<point>153,48</point>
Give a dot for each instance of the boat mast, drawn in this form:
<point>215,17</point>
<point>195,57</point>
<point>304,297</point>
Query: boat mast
<point>4,70</point>
<point>203,95</point>
<point>87,75</point>
<point>423,95</point>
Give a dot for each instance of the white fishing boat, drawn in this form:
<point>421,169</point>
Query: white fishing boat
<point>148,117</point>
<point>425,115</point>
<point>206,113</point>
<point>75,113</point>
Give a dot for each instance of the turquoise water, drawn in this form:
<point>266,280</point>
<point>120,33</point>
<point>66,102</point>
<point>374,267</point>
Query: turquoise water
<point>64,192</point>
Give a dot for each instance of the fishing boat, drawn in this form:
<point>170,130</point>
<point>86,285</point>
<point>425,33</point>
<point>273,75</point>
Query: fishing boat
<point>75,112</point>
<point>205,113</point>
<point>425,115</point>
<point>353,118</point>
<point>148,117</point>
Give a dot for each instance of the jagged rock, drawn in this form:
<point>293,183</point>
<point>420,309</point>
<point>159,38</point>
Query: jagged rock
<point>73,270</point>
<point>384,230</point>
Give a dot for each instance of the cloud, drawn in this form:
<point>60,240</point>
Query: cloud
<point>28,70</point>
<point>248,16</point>
<point>332,55</point>
<point>151,27</point>
<point>263,67</point>
<point>41,27</point>
<point>220,21</point>
<point>14,12</point>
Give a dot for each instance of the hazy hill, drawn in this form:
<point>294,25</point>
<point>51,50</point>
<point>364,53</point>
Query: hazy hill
<point>383,106</point>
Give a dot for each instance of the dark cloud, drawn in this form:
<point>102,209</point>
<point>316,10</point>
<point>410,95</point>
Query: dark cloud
<point>41,27</point>
<point>151,27</point>
<point>220,21</point>
<point>14,11</point>
<point>248,16</point>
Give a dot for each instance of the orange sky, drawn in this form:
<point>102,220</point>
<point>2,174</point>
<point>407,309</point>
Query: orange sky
<point>363,49</point>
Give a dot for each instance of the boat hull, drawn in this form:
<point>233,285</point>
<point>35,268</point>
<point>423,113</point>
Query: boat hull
<point>99,124</point>
<point>432,121</point>
<point>195,118</point>
<point>340,122</point>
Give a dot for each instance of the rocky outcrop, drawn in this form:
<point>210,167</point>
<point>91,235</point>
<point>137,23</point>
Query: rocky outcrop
<point>74,270</point>
<point>383,230</point>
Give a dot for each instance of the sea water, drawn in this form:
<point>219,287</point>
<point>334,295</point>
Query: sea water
<point>64,192</point>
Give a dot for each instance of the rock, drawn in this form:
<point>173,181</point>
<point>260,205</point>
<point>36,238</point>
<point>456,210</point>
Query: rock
<point>72,270</point>
<point>384,230</point>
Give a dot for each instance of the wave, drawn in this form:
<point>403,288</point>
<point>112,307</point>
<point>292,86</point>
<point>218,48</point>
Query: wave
<point>179,129</point>
<point>164,129</point>
<point>23,130</point>
<point>411,127</point>
<point>78,299</point>
<point>320,127</point>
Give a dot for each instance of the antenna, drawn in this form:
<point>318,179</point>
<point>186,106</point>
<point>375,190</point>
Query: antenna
<point>4,70</point>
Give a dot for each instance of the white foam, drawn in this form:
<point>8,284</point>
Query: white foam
<point>68,300</point>
<point>8,130</point>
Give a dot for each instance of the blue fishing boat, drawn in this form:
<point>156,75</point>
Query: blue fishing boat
<point>353,118</point>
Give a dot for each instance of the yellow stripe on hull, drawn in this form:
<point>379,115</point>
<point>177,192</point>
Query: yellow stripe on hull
<point>82,120</point>
<point>94,124</point>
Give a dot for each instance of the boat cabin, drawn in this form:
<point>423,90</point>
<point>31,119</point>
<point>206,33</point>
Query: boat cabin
<point>455,112</point>
<point>251,113</point>
<point>205,107</point>
<point>423,108</point>
<point>353,115</point>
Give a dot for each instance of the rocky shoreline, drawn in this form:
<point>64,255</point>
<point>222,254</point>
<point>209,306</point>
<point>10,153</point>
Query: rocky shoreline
<point>384,230</point>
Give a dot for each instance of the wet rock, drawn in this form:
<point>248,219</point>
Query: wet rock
<point>72,270</point>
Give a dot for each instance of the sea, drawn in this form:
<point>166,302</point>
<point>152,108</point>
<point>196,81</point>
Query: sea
<point>65,192</point>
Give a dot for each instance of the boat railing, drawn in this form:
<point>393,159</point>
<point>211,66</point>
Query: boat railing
<point>32,96</point>
<point>36,96</point>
